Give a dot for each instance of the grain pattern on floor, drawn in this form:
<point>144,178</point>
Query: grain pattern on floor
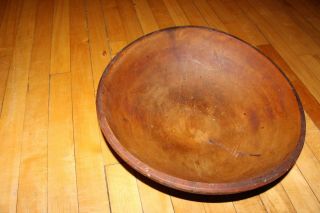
<point>52,53</point>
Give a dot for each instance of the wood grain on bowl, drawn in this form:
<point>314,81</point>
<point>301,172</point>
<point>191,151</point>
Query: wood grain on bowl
<point>200,111</point>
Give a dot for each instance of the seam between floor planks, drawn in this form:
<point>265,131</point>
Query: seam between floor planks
<point>110,51</point>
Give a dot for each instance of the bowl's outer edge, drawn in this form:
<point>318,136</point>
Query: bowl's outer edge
<point>190,186</point>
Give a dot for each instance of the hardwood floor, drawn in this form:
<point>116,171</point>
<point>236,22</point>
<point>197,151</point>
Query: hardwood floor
<point>53,157</point>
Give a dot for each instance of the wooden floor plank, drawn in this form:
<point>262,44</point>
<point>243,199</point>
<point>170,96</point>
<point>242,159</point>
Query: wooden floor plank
<point>309,165</point>
<point>300,42</point>
<point>91,185</point>
<point>192,13</point>
<point>176,12</point>
<point>251,204</point>
<point>313,64</point>
<point>153,200</point>
<point>182,205</point>
<point>123,190</point>
<point>3,7</point>
<point>62,181</point>
<point>300,20</point>
<point>279,40</point>
<point>33,185</point>
<point>313,137</point>
<point>223,207</point>
<point>237,22</point>
<point>209,15</point>
<point>307,10</point>
<point>276,199</point>
<point>108,156</point>
<point>115,27</point>
<point>161,13</point>
<point>299,192</point>
<point>60,50</point>
<point>317,57</point>
<point>12,115</point>
<point>98,40</point>
<point>130,20</point>
<point>309,159</point>
<point>145,15</point>
<point>8,31</point>
<point>280,44</point>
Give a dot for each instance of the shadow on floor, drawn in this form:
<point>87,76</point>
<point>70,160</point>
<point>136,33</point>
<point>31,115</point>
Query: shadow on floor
<point>195,197</point>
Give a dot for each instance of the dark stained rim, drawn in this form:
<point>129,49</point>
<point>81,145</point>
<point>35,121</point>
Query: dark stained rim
<point>186,185</point>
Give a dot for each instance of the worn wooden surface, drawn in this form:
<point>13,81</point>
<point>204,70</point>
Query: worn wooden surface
<point>52,155</point>
<point>190,112</point>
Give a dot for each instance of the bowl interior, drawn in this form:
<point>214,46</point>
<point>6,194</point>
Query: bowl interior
<point>201,106</point>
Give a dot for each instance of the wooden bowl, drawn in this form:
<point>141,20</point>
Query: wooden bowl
<point>200,111</point>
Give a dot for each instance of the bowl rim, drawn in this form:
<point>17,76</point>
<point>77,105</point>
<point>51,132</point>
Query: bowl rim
<point>187,185</point>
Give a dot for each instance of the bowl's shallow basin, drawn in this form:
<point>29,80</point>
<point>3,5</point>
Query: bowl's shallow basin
<point>200,111</point>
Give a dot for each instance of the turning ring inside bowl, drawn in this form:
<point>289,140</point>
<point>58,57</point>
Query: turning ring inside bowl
<point>200,111</point>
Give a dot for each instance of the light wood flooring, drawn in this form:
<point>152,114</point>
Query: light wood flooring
<point>53,157</point>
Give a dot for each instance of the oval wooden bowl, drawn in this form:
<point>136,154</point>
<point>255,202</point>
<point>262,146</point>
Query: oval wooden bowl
<point>201,111</point>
